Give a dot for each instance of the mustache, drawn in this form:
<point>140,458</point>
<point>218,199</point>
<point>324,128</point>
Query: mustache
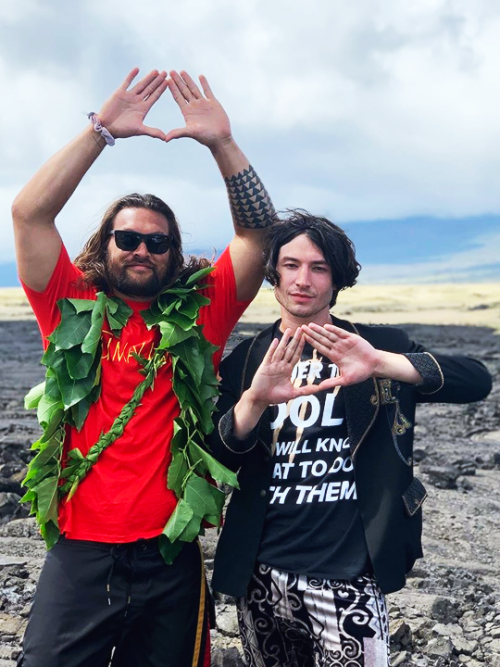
<point>142,262</point>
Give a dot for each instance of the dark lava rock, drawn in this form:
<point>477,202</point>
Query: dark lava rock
<point>446,610</point>
<point>444,477</point>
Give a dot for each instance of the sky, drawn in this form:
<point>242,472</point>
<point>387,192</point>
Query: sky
<point>358,111</point>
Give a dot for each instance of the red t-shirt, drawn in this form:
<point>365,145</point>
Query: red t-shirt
<point>125,497</point>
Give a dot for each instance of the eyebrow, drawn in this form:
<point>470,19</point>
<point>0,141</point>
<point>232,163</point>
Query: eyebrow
<point>288,258</point>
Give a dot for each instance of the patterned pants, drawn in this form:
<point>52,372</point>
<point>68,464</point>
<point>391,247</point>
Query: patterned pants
<point>288,620</point>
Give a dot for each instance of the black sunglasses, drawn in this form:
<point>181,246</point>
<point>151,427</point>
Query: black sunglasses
<point>157,244</point>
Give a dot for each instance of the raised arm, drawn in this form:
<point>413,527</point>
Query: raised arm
<point>35,208</point>
<point>251,207</point>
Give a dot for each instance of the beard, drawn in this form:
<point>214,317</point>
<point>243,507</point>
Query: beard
<point>121,279</point>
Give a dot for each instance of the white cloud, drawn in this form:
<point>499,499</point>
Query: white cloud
<point>371,109</point>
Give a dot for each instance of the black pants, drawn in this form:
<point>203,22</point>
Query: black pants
<point>98,604</point>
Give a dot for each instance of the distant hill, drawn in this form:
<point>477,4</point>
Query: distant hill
<point>418,239</point>
<point>416,249</point>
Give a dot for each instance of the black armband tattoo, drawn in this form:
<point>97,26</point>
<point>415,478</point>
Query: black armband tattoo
<point>251,206</point>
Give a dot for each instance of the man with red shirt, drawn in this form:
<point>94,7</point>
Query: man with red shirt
<point>105,592</point>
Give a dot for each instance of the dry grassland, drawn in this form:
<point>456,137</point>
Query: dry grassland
<point>475,304</point>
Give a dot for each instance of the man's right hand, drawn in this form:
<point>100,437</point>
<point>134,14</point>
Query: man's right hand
<point>124,112</point>
<point>272,382</point>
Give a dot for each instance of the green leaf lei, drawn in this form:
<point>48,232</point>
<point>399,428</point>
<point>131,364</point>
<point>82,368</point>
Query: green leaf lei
<point>72,384</point>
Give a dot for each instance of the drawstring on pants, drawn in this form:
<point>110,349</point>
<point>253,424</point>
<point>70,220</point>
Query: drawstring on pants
<point>129,553</point>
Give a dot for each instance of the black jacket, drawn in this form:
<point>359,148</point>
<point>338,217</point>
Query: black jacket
<point>389,497</point>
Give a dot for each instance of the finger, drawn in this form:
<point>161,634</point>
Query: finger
<point>331,383</point>
<point>206,88</point>
<point>154,85</point>
<point>152,132</point>
<point>176,94</point>
<point>340,333</point>
<point>294,345</point>
<point>319,335</point>
<point>181,85</point>
<point>298,351</point>
<point>281,348</point>
<point>157,93</point>
<point>178,133</point>
<point>321,330</point>
<point>322,346</point>
<point>129,78</point>
<point>144,83</point>
<point>270,351</point>
<point>193,88</point>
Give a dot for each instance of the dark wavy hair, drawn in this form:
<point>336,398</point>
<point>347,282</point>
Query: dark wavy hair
<point>92,259</point>
<point>337,248</point>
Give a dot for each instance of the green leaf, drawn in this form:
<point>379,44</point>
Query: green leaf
<point>191,358</point>
<point>177,471</point>
<point>181,320</point>
<point>72,390</point>
<point>47,499</point>
<point>180,518</point>
<point>201,300</point>
<point>33,397</point>
<point>48,407</point>
<point>80,410</point>
<point>172,335</point>
<point>73,327</point>
<point>168,550</point>
<point>219,472</point>
<point>192,530</point>
<point>198,275</point>
<point>50,533</point>
<point>118,313</point>
<point>77,363</point>
<point>191,306</point>
<point>92,340</point>
<point>51,450</point>
<point>79,305</point>
<point>52,356</point>
<point>199,496</point>
<point>219,498</point>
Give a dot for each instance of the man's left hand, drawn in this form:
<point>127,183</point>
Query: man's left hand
<point>206,120</point>
<point>356,358</point>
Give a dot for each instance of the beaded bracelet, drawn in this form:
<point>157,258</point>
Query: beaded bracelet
<point>94,119</point>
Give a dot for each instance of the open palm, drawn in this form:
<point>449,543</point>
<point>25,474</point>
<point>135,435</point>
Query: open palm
<point>206,120</point>
<point>124,112</point>
<point>272,382</point>
<point>355,356</point>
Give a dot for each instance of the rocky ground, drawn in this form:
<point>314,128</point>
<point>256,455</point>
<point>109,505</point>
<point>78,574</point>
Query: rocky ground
<point>449,612</point>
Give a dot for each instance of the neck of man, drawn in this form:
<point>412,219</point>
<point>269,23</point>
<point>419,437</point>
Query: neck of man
<point>139,299</point>
<point>290,321</point>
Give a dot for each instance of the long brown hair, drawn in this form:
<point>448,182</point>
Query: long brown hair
<point>92,259</point>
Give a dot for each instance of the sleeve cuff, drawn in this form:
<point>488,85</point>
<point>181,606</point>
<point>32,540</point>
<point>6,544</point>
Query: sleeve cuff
<point>429,369</point>
<point>234,444</point>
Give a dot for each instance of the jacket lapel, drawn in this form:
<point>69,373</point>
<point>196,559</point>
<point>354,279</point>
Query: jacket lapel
<point>361,402</point>
<point>255,355</point>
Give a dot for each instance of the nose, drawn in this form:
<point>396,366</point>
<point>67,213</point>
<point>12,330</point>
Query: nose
<point>141,250</point>
<point>302,277</point>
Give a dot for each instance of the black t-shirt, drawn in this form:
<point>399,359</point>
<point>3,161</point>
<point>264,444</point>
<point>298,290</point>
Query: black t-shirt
<point>313,526</point>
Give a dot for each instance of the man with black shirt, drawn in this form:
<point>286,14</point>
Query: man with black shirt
<point>318,413</point>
